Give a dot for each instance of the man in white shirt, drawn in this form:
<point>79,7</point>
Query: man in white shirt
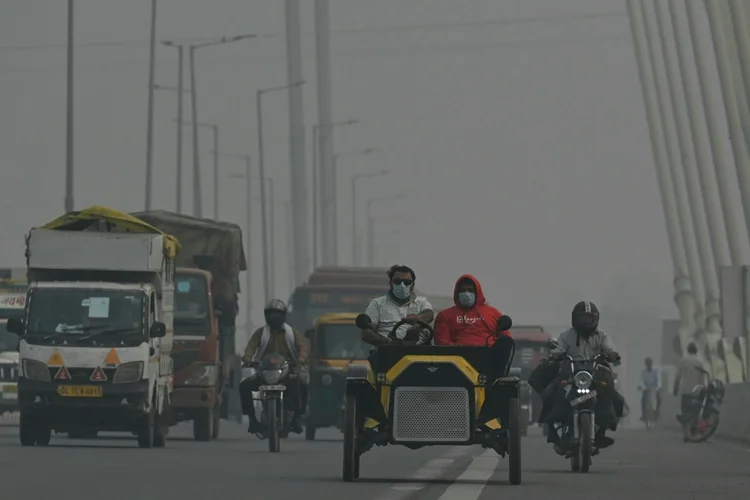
<point>650,381</point>
<point>689,375</point>
<point>399,303</point>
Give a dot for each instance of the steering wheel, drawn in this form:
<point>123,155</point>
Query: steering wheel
<point>392,334</point>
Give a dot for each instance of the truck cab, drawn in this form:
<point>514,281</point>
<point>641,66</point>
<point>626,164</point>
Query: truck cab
<point>196,354</point>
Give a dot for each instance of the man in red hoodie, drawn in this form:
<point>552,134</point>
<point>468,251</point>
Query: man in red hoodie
<point>472,322</point>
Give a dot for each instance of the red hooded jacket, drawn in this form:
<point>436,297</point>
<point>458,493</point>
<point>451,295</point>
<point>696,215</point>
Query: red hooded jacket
<point>468,326</point>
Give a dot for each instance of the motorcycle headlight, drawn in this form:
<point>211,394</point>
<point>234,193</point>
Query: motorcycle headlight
<point>204,375</point>
<point>35,370</point>
<point>272,376</point>
<point>128,373</point>
<point>583,380</point>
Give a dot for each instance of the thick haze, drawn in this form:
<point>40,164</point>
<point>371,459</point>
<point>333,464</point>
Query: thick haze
<point>523,147</point>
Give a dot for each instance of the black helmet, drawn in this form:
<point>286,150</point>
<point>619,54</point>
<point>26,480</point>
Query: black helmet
<point>585,318</point>
<point>275,313</point>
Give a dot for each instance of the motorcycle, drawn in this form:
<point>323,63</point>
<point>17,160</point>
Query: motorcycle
<point>703,419</point>
<point>274,370</point>
<point>581,395</point>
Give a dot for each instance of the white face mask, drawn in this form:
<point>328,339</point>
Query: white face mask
<point>467,299</point>
<point>401,291</point>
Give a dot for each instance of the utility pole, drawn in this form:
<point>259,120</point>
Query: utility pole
<point>298,171</point>
<point>180,118</point>
<point>197,196</point>
<point>69,201</point>
<point>216,171</point>
<point>329,233</point>
<point>150,118</point>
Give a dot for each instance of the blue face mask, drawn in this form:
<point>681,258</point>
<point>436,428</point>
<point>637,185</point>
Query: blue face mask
<point>467,299</point>
<point>401,291</point>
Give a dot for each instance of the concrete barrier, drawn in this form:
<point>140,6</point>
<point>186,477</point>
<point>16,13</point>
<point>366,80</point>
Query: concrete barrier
<point>735,412</point>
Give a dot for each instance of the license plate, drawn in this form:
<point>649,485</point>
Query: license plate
<point>10,389</point>
<point>583,398</point>
<point>79,391</point>
<point>272,388</point>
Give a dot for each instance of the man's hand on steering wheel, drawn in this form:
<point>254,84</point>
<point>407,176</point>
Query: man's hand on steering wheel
<point>412,318</point>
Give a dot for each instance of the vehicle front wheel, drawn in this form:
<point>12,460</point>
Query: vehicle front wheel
<point>351,456</point>
<point>272,420</point>
<point>585,447</point>
<point>514,441</point>
<point>145,431</point>
<point>203,424</point>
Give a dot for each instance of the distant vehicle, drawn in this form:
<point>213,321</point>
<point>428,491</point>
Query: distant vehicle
<point>13,287</point>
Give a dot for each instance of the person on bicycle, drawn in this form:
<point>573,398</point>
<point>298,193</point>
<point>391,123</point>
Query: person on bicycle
<point>277,337</point>
<point>400,302</point>
<point>650,381</point>
<point>689,375</point>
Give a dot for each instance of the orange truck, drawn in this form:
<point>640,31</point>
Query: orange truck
<point>206,367</point>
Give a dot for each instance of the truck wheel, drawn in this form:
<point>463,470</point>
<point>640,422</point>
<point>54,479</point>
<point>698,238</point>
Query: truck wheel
<point>161,427</point>
<point>216,426</point>
<point>203,425</point>
<point>145,431</point>
<point>43,435</point>
<point>27,431</point>
<point>514,442</point>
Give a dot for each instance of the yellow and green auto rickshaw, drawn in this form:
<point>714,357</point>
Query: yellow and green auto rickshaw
<point>335,343</point>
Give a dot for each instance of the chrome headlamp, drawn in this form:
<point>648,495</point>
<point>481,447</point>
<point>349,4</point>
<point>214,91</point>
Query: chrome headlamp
<point>583,380</point>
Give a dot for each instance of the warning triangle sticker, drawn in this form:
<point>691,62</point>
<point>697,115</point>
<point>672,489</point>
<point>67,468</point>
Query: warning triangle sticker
<point>62,374</point>
<point>98,375</point>
<point>112,359</point>
<point>55,359</point>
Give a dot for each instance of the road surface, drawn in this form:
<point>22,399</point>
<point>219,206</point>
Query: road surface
<point>641,464</point>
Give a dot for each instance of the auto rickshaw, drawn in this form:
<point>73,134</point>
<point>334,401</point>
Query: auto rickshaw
<point>335,345</point>
<point>418,395</point>
<point>531,348</point>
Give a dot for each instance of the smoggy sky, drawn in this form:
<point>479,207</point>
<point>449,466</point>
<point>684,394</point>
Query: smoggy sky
<point>522,146</point>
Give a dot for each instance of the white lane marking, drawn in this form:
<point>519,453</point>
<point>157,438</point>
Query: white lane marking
<point>434,469</point>
<point>470,484</point>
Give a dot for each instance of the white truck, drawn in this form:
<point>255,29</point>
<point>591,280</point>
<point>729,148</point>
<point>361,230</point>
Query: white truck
<point>97,333</point>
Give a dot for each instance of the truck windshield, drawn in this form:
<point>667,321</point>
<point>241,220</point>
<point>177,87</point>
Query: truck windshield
<point>191,305</point>
<point>340,342</point>
<point>85,311</point>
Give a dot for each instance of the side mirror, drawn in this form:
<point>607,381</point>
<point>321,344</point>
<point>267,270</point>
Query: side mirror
<point>552,344</point>
<point>363,321</point>
<point>158,330</point>
<point>310,333</point>
<point>504,323</point>
<point>14,325</point>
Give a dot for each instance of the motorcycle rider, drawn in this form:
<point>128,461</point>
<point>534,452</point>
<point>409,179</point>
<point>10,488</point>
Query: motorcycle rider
<point>472,322</point>
<point>651,381</point>
<point>582,342</point>
<point>688,376</point>
<point>277,337</point>
<point>399,303</point>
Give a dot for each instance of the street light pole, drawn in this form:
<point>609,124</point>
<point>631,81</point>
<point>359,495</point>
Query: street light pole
<point>216,171</point>
<point>248,229</point>
<point>150,118</point>
<point>180,90</point>
<point>315,187</point>
<point>69,201</point>
<point>355,178</point>
<point>262,174</point>
<point>197,200</point>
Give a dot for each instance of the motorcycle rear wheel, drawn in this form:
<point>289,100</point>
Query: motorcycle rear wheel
<point>693,431</point>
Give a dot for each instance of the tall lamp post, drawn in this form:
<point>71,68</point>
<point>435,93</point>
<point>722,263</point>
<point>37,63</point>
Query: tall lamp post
<point>150,117</point>
<point>215,129</point>
<point>370,223</point>
<point>197,201</point>
<point>316,185</point>
<point>262,173</point>
<point>355,178</point>
<point>178,179</point>
<point>69,123</point>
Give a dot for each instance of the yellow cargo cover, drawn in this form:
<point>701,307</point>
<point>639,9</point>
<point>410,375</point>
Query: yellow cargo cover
<point>81,220</point>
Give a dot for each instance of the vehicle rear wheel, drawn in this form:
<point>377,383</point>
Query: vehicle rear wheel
<point>697,430</point>
<point>585,447</point>
<point>351,457</point>
<point>161,425</point>
<point>27,430</point>
<point>203,424</point>
<point>216,426</point>
<point>272,420</point>
<point>310,432</point>
<point>514,441</point>
<point>145,431</point>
